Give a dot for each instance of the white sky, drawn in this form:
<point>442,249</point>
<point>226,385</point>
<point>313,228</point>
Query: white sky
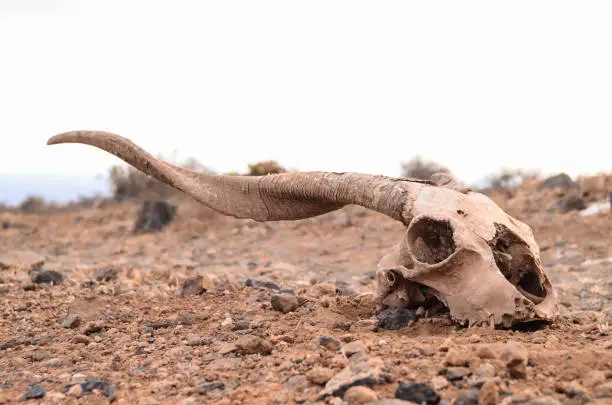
<point>316,85</point>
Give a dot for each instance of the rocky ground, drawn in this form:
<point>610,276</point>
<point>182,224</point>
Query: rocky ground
<point>215,310</point>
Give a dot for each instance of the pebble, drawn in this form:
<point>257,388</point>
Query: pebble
<point>209,387</point>
<point>604,390</point>
<point>330,343</point>
<point>457,358</point>
<point>250,344</point>
<point>35,391</point>
<point>193,286</point>
<point>468,397</point>
<point>354,347</point>
<point>485,352</point>
<point>76,390</point>
<point>516,357</point>
<point>439,382</point>
<point>93,327</point>
<point>417,393</point>
<point>4,289</point>
<point>28,287</point>
<point>81,339</point>
<point>195,340</point>
<point>489,394</point>
<point>40,276</point>
<point>359,371</point>
<point>395,318</point>
<point>70,321</point>
<point>227,348</point>
<point>319,375</point>
<point>105,274</point>
<point>547,400</point>
<point>284,303</point>
<point>359,395</point>
<point>457,373</point>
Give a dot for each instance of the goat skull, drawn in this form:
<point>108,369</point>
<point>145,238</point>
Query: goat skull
<point>459,246</point>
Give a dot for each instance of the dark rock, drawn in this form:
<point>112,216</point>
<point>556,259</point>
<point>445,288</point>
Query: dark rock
<point>29,287</point>
<point>561,180</point>
<point>417,393</point>
<point>329,343</point>
<point>284,302</point>
<point>101,385</point>
<point>4,289</point>
<point>7,345</point>
<point>206,388</point>
<point>571,202</point>
<point>252,265</point>
<point>395,318</point>
<point>193,286</point>
<point>468,397</point>
<point>153,216</point>
<point>105,274</point>
<point>159,325</point>
<point>254,282</point>
<point>35,391</point>
<point>93,327</point>
<point>40,276</point>
<point>345,326</point>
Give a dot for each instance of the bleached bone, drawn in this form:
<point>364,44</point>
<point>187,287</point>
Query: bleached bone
<point>459,246</point>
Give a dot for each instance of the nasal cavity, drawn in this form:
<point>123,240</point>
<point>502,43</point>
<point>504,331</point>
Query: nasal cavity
<point>431,240</point>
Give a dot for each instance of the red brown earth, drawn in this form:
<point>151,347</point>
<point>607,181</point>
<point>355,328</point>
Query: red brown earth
<point>135,335</point>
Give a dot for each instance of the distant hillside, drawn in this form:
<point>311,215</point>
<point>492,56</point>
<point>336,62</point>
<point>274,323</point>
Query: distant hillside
<point>53,187</point>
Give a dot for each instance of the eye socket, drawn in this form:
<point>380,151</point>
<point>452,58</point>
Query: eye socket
<point>516,262</point>
<point>431,240</point>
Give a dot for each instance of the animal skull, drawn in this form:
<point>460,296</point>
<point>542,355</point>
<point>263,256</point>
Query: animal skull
<point>459,246</point>
<point>464,250</point>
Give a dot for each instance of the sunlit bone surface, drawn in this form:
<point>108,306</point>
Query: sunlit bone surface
<point>459,247</point>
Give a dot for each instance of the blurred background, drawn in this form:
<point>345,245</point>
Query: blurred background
<point>485,90</point>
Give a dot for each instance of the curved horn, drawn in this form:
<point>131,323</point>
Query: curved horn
<point>285,196</point>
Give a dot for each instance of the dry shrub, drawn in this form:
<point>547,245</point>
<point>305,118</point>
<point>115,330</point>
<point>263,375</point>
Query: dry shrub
<point>509,179</point>
<point>419,168</point>
<point>265,167</point>
<point>33,204</point>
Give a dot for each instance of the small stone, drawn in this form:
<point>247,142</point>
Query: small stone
<point>604,390</point>
<point>148,401</point>
<point>250,344</point>
<point>457,358</point>
<point>330,343</point>
<point>284,302</point>
<point>227,348</point>
<point>105,274</point>
<point>194,340</point>
<point>4,289</point>
<point>395,318</point>
<point>28,287</point>
<point>417,393</point>
<point>485,370</point>
<point>40,276</point>
<point>76,390</point>
<point>185,319</point>
<point>354,347</point>
<point>361,370</point>
<point>70,321</point>
<point>206,388</point>
<point>35,391</point>
<point>319,375</point>
<point>547,400</point>
<point>359,395</point>
<point>485,352</point>
<point>516,358</point>
<point>81,339</point>
<point>193,286</point>
<point>468,397</point>
<point>457,373</point>
<point>439,382</point>
<point>489,394</point>
<point>93,327</point>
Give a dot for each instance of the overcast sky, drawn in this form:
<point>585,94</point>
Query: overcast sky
<point>316,85</point>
